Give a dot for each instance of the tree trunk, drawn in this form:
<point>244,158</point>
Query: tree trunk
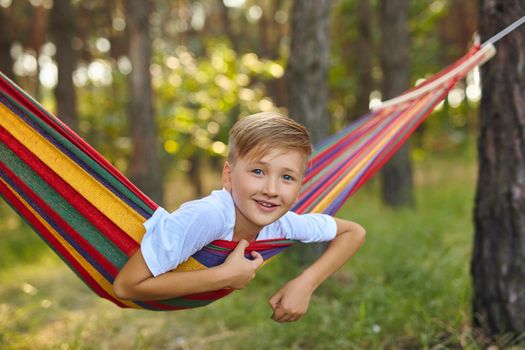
<point>228,30</point>
<point>37,39</point>
<point>498,263</point>
<point>307,78</point>
<point>194,174</point>
<point>6,40</point>
<point>364,55</point>
<point>145,170</point>
<point>307,71</point>
<point>62,27</point>
<point>395,54</point>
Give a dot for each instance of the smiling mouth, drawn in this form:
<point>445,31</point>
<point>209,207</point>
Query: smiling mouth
<point>266,204</point>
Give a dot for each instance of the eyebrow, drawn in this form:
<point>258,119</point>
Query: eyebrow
<point>285,168</point>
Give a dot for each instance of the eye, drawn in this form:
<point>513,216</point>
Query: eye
<point>257,172</point>
<point>288,178</point>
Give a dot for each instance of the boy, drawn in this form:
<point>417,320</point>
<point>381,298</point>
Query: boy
<point>262,177</point>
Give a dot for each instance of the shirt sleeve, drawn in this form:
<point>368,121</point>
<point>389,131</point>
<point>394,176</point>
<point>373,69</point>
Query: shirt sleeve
<point>171,239</point>
<point>308,228</point>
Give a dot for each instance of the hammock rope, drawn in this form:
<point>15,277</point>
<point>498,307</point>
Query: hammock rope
<point>92,215</point>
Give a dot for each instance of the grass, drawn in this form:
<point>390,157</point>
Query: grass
<point>408,287</point>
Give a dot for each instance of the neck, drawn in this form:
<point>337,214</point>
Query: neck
<point>239,236</point>
<point>246,233</point>
<point>243,229</point>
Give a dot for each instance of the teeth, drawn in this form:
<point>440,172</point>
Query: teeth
<point>268,205</point>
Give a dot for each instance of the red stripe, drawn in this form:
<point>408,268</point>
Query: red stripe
<point>379,164</point>
<point>69,134</point>
<point>307,192</point>
<point>446,70</point>
<point>215,295</point>
<point>333,177</point>
<point>55,244</point>
<point>362,180</point>
<point>155,305</point>
<point>81,241</point>
<point>62,251</point>
<point>92,214</point>
<point>260,245</point>
<point>313,164</point>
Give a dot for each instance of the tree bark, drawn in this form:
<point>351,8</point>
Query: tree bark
<point>37,39</point>
<point>498,262</point>
<point>397,188</point>
<point>364,55</point>
<point>145,170</point>
<point>6,40</point>
<point>228,30</point>
<point>62,27</point>
<point>194,174</point>
<point>307,78</point>
<point>307,71</point>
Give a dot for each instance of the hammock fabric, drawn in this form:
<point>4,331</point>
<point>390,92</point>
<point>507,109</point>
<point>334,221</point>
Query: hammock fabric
<point>92,216</point>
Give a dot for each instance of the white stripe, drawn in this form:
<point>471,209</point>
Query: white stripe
<point>484,54</point>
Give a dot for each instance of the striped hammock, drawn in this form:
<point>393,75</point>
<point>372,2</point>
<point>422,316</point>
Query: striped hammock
<point>92,216</point>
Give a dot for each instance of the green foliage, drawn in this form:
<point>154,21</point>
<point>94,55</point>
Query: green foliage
<point>430,50</point>
<point>199,98</point>
<point>103,121</point>
<point>426,46</point>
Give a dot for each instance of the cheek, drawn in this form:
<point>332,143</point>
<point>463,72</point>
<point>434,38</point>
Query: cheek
<point>241,184</point>
<point>292,193</point>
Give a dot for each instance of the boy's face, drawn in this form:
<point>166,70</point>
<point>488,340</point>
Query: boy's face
<point>264,189</point>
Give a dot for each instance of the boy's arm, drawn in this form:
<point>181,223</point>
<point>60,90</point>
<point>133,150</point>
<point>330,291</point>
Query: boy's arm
<point>135,281</point>
<point>291,302</point>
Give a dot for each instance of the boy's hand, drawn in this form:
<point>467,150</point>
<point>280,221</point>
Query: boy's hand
<point>239,270</point>
<point>291,302</point>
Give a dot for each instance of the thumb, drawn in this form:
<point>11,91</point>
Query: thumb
<point>241,246</point>
<point>258,259</point>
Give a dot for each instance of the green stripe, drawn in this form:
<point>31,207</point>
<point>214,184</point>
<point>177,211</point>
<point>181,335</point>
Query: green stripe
<point>89,162</point>
<point>63,208</point>
<point>183,302</point>
<point>41,236</point>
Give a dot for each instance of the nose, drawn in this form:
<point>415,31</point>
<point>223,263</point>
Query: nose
<point>270,187</point>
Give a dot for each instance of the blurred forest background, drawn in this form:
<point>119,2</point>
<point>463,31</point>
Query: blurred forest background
<point>211,63</point>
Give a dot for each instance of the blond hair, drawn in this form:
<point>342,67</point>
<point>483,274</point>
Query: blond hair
<point>257,134</point>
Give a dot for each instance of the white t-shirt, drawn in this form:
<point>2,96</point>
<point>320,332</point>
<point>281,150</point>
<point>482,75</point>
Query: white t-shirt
<point>171,239</point>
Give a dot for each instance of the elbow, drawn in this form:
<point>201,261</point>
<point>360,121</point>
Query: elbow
<point>121,290</point>
<point>360,233</point>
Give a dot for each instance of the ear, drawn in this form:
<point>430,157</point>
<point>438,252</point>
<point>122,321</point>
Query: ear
<point>227,176</point>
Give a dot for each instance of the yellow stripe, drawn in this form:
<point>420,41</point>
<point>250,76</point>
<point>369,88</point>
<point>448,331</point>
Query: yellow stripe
<point>101,280</point>
<point>88,187</point>
<point>190,265</point>
<point>330,197</point>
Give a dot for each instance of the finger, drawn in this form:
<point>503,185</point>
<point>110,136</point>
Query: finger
<point>241,246</point>
<point>283,318</point>
<point>258,259</point>
<point>278,314</point>
<point>287,318</point>
<point>293,319</point>
<point>275,300</point>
